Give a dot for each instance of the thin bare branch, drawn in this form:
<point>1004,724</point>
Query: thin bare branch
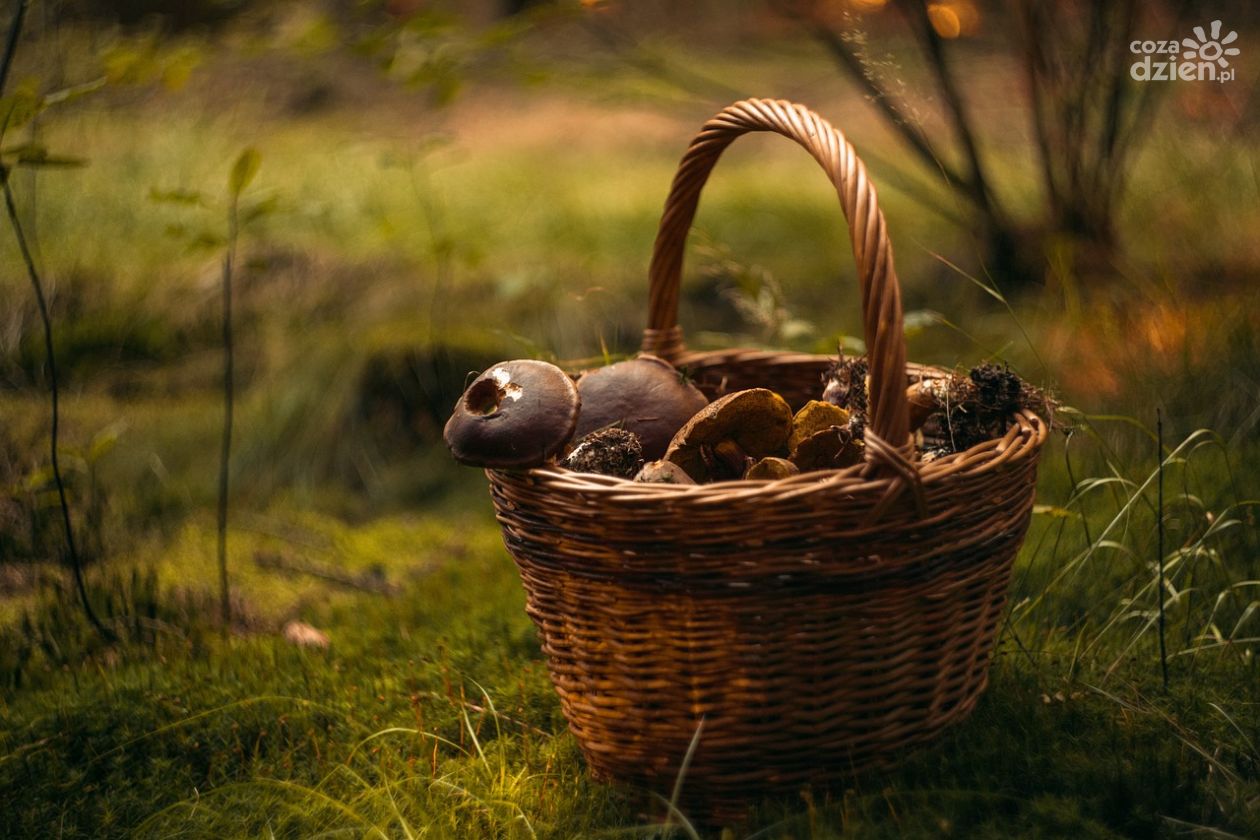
<point>1036,64</point>
<point>852,64</point>
<point>225,450</point>
<point>977,184</point>
<point>10,46</point>
<point>76,562</point>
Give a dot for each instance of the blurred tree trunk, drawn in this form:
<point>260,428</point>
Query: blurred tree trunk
<point>1088,119</point>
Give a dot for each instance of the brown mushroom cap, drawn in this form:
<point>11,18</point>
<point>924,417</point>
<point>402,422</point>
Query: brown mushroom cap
<point>646,395</point>
<point>757,421</point>
<point>925,398</point>
<point>827,449</point>
<point>517,414</point>
<point>771,468</point>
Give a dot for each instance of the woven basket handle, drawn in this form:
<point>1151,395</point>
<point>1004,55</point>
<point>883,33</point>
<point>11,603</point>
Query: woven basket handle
<point>881,295</point>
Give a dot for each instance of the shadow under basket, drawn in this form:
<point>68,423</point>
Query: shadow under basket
<point>808,628</point>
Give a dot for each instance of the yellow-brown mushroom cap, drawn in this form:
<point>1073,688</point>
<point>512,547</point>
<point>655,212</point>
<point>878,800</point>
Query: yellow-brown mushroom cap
<point>771,468</point>
<point>758,421</point>
<point>814,417</point>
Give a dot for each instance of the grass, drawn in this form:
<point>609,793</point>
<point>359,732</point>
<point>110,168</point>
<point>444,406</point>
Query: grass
<point>408,247</point>
<point>432,711</point>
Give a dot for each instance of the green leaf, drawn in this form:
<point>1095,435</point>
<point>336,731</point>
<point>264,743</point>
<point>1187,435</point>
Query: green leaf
<point>38,479</point>
<point>35,155</point>
<point>177,196</point>
<point>1055,512</point>
<point>259,210</point>
<point>243,171</point>
<point>54,162</point>
<point>19,150</point>
<point>103,442</point>
<point>17,109</point>
<point>126,64</point>
<point>179,67</point>
<point>206,241</point>
<point>73,92</point>
<point>47,499</point>
<point>505,32</point>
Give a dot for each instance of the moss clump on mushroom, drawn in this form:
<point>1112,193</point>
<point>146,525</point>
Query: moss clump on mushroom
<point>956,412</point>
<point>613,451</point>
<point>845,385</point>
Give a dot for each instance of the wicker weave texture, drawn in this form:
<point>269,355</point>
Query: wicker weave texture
<point>818,624</point>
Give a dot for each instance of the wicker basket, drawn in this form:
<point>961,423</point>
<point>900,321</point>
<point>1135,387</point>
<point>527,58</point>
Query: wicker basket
<point>817,625</point>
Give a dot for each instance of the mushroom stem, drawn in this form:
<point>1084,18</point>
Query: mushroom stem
<point>923,402</point>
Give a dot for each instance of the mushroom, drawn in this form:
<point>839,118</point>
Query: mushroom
<point>998,391</point>
<point>771,468</point>
<point>607,452</point>
<point>646,395</point>
<point>718,442</point>
<point>957,412</point>
<point>846,383</point>
<point>663,472</point>
<point>924,401</point>
<point>517,414</point>
<point>827,449</point>
<point>813,418</point>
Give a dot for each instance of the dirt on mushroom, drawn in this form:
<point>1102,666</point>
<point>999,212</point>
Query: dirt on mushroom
<point>611,451</point>
<point>844,385</point>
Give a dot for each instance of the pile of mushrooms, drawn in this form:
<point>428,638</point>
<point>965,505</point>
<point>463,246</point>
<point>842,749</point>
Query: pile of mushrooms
<point>642,419</point>
<point>949,413</point>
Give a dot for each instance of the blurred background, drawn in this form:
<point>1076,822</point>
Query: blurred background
<point>443,185</point>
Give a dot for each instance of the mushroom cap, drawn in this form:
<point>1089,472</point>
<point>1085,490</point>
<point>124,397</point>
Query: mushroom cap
<point>771,468</point>
<point>757,421</point>
<point>663,472</point>
<point>826,449</point>
<point>813,417</point>
<point>646,395</point>
<point>923,401</point>
<point>517,414</point>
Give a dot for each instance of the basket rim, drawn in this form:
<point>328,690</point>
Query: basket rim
<point>1028,432</point>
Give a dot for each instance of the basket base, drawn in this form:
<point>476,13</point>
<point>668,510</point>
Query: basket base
<point>794,690</point>
<point>713,806</point>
